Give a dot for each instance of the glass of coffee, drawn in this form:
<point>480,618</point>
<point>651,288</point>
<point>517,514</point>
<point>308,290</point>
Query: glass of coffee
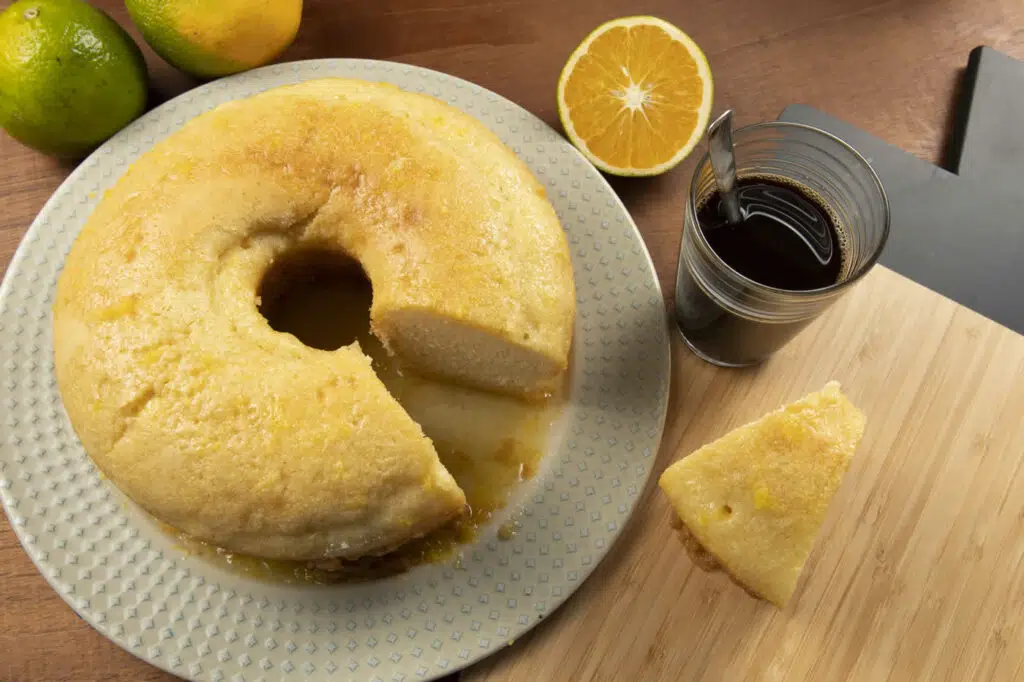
<point>815,219</point>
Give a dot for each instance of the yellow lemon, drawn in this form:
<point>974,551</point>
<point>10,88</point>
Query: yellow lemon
<point>635,96</point>
<point>212,38</point>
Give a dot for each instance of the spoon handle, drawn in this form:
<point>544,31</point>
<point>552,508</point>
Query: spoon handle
<point>723,163</point>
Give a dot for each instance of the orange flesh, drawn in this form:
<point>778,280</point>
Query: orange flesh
<point>634,96</point>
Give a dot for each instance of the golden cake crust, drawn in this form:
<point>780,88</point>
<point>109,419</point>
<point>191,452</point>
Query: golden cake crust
<point>753,501</point>
<point>242,436</point>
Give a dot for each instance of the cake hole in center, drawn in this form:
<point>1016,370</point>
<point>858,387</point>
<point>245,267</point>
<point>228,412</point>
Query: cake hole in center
<point>320,296</point>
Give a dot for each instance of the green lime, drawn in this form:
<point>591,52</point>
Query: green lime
<point>211,39</point>
<point>70,77</point>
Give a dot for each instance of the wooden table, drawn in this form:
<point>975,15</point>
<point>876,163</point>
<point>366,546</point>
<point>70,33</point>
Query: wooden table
<point>919,573</point>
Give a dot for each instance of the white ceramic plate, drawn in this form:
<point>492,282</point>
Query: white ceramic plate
<point>194,619</point>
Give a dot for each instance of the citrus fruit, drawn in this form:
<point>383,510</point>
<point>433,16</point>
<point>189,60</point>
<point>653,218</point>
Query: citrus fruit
<point>635,96</point>
<point>70,77</point>
<point>211,38</point>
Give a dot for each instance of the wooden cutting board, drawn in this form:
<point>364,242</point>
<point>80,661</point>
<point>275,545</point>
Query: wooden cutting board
<point>918,573</point>
<point>957,230</point>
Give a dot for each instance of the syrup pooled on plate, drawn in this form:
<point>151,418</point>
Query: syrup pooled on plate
<point>491,444</point>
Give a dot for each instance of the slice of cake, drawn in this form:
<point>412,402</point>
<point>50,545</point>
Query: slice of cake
<point>753,501</point>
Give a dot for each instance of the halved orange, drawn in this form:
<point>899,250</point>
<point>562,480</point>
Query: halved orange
<point>635,96</point>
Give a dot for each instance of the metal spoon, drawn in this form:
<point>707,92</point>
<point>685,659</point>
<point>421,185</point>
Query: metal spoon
<point>723,163</point>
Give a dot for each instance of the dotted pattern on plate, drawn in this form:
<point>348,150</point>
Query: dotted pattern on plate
<point>128,580</point>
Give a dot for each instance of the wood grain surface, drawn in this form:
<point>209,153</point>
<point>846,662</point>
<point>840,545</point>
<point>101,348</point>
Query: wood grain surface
<point>920,571</point>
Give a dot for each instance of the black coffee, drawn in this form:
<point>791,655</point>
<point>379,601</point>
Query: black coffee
<point>788,239</point>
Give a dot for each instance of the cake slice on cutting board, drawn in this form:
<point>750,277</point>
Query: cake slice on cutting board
<point>753,501</point>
